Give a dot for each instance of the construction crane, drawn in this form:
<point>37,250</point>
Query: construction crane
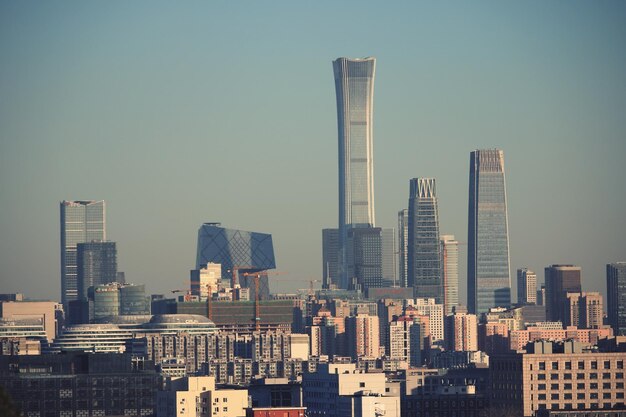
<point>234,269</point>
<point>257,305</point>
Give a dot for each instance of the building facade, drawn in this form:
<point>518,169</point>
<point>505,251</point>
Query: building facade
<point>81,221</point>
<point>96,264</point>
<point>616,297</point>
<point>403,247</point>
<point>488,273</point>
<point>354,87</point>
<point>330,253</point>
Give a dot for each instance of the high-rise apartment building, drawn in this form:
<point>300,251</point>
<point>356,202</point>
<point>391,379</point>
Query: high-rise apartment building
<point>362,336</point>
<point>616,297</point>
<point>488,273</point>
<point>424,251</point>
<point>526,287</point>
<point>354,85</point>
<point>450,272</point>
<point>430,308</point>
<point>96,265</point>
<point>559,280</point>
<point>403,247</point>
<point>203,279</point>
<point>584,310</point>
<point>81,221</point>
<point>461,332</point>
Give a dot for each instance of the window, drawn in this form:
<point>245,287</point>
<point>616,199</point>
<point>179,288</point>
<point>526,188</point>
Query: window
<point>541,387</point>
<point>606,396</point>
<point>607,364</point>
<point>594,364</point>
<point>606,375</point>
<point>567,376</point>
<point>541,377</point>
<point>554,396</point>
<point>554,386</point>
<point>619,395</point>
<point>542,366</point>
<point>606,385</point>
<point>581,406</point>
<point>580,376</point>
<point>361,384</point>
<point>593,375</point>
<point>568,365</point>
<point>555,365</point>
<point>554,376</point>
<point>541,397</point>
<point>581,364</point>
<point>567,386</point>
<point>619,375</point>
<point>593,395</point>
<point>619,385</point>
<point>593,385</point>
<point>580,386</point>
<point>620,365</point>
<point>567,396</point>
<point>580,396</point>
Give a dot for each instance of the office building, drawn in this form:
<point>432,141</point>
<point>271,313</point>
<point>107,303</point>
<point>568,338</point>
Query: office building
<point>488,273</point>
<point>558,376</point>
<point>48,313</point>
<point>461,332</point>
<point>340,390</point>
<point>430,308</point>
<point>554,331</point>
<point>388,260</point>
<point>559,280</point>
<point>403,247</point>
<point>584,310</point>
<point>450,272</point>
<point>354,87</point>
<point>96,265</point>
<point>616,297</point>
<point>114,299</point>
<point>330,252</point>
<point>424,250</point>
<point>234,250</point>
<point>365,258</point>
<point>81,221</point>
<point>526,287</point>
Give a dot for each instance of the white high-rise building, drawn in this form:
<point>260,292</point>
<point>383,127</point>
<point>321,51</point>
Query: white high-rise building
<point>526,287</point>
<point>450,272</point>
<point>203,278</point>
<point>428,307</point>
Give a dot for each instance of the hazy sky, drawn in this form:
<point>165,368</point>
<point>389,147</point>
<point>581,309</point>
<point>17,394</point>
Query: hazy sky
<point>179,113</point>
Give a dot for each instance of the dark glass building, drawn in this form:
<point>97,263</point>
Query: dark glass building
<point>246,251</point>
<point>616,296</point>
<point>424,249</point>
<point>559,280</point>
<point>96,265</point>
<point>488,272</point>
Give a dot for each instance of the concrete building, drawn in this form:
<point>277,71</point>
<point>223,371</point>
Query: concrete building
<point>339,390</point>
<point>50,314</point>
<point>520,338</point>
<point>616,297</point>
<point>209,276</point>
<point>330,253</point>
<point>559,280</point>
<point>405,341</point>
<point>362,336</point>
<point>450,272</point>
<point>403,247</point>
<point>584,310</point>
<point>461,332</point>
<point>526,287</point>
<point>429,307</point>
<point>558,377</point>
<point>198,397</point>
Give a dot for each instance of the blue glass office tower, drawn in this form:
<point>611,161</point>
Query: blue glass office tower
<point>424,248</point>
<point>354,86</point>
<point>248,251</point>
<point>616,297</point>
<point>488,273</point>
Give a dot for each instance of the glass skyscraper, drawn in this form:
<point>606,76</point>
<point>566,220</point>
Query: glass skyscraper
<point>424,250</point>
<point>96,265</point>
<point>403,246</point>
<point>354,85</point>
<point>616,297</point>
<point>81,221</point>
<point>450,272</point>
<point>488,272</point>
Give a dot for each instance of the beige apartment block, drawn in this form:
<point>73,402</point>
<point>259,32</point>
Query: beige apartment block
<point>42,310</point>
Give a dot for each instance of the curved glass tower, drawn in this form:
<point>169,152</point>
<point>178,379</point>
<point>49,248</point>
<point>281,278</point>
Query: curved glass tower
<point>354,85</point>
<point>488,274</point>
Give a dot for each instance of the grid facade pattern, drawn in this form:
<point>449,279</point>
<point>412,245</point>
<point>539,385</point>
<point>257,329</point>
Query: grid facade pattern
<point>526,287</point>
<point>81,221</point>
<point>96,265</point>
<point>488,273</point>
<point>403,246</point>
<point>354,85</point>
<point>616,297</point>
<point>330,251</point>
<point>365,260</point>
<point>450,272</point>
<point>560,279</point>
<point>248,251</point>
<point>424,251</point>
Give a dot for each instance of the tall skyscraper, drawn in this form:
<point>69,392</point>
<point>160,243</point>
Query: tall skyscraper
<point>81,221</point>
<point>96,265</point>
<point>488,273</point>
<point>330,251</point>
<point>450,272</point>
<point>424,251</point>
<point>403,246</point>
<point>616,297</point>
<point>388,242</point>
<point>560,279</point>
<point>526,287</point>
<point>354,85</point>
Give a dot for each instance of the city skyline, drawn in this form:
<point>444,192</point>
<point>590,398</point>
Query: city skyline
<point>166,166</point>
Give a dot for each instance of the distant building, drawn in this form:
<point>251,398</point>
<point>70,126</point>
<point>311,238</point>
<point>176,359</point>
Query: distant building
<point>428,307</point>
<point>541,296</point>
<point>403,247</point>
<point>488,273</point>
<point>526,287</point>
<point>405,340</point>
<point>234,249</point>
<point>584,310</point>
<point>48,313</point>
<point>330,253</point>
<point>339,390</point>
<point>616,296</point>
<point>362,336</point>
<point>209,276</point>
<point>96,265</point>
<point>450,272</point>
<point>588,337</point>
<point>364,251</point>
<point>559,280</point>
<point>424,250</point>
<point>81,221</point>
<point>114,299</point>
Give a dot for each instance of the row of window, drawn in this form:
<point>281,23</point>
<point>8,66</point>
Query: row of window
<point>580,396</point>
<point>568,386</point>
<point>580,365</point>
<point>591,375</point>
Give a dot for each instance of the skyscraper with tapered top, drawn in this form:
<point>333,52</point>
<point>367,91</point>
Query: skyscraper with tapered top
<point>424,250</point>
<point>488,272</point>
<point>354,85</point>
<point>81,222</point>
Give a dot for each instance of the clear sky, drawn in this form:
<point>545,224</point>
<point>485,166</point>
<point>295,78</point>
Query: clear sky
<point>178,113</point>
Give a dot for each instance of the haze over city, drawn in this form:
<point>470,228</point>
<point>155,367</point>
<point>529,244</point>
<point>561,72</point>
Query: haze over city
<point>177,115</point>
